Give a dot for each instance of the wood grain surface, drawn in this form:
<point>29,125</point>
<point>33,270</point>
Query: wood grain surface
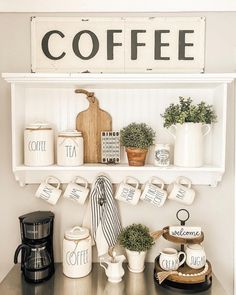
<point>185,269</point>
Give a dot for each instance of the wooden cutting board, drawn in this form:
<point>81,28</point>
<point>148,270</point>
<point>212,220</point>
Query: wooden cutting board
<point>91,122</point>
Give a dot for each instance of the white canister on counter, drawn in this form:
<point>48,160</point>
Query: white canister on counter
<point>77,252</point>
<point>70,148</point>
<point>38,145</point>
<point>162,155</point>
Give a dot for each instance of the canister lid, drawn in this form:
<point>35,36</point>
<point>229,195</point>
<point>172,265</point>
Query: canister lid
<point>162,145</point>
<point>39,125</point>
<point>194,247</point>
<point>77,233</point>
<point>70,133</point>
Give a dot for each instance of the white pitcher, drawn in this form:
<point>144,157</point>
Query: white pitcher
<point>113,269</point>
<point>188,150</point>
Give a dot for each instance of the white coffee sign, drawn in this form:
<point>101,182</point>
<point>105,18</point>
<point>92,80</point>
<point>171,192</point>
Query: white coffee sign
<point>146,44</point>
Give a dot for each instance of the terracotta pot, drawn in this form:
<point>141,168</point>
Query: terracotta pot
<point>136,156</point>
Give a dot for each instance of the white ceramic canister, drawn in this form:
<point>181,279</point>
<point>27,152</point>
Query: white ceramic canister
<point>196,256</point>
<point>77,252</point>
<point>162,155</point>
<point>70,148</point>
<point>38,145</point>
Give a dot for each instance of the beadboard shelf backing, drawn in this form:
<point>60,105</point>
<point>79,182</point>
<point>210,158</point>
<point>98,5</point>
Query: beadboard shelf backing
<point>128,98</point>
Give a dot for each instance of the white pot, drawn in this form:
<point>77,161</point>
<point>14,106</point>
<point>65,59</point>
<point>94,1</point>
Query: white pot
<point>188,150</point>
<point>136,260</point>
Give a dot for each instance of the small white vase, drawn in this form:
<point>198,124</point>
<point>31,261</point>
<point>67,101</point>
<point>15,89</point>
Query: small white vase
<point>188,137</point>
<point>136,260</point>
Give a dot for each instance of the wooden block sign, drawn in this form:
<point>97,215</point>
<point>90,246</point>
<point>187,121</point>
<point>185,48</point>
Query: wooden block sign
<point>146,44</point>
<point>186,232</point>
<point>110,147</point>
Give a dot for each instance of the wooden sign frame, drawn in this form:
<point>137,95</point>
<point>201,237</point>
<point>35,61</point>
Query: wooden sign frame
<point>111,45</point>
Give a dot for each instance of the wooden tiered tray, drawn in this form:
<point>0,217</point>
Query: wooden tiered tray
<point>186,280</point>
<point>187,275</point>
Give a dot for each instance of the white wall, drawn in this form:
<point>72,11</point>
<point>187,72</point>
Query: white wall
<point>115,6</point>
<point>213,209</point>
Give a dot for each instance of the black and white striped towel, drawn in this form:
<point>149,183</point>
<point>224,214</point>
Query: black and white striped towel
<point>106,225</point>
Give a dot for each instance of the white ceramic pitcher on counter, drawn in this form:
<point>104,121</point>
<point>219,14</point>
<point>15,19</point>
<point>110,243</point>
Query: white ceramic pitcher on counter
<point>188,151</point>
<point>113,268</point>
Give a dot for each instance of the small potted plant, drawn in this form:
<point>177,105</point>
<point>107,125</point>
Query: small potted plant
<point>137,138</point>
<point>188,124</point>
<point>136,240</point>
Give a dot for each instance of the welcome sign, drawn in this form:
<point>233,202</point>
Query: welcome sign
<point>153,44</point>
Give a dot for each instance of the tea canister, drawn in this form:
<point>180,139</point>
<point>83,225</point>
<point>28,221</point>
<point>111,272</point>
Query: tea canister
<point>77,252</point>
<point>38,145</point>
<point>162,155</point>
<point>70,148</point>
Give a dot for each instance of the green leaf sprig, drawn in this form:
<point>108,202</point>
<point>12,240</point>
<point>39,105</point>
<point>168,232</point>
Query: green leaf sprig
<point>136,237</point>
<point>137,135</point>
<point>186,111</point>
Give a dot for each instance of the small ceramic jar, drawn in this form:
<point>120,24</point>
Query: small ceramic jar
<point>162,155</point>
<point>196,256</point>
<point>77,252</point>
<point>38,145</point>
<point>70,148</point>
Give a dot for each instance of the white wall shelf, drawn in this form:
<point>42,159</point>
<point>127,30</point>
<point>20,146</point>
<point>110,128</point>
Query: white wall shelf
<point>206,175</point>
<point>128,98</point>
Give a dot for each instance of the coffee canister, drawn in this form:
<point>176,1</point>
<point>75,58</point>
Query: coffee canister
<point>77,252</point>
<point>162,155</point>
<point>70,148</point>
<point>38,145</point>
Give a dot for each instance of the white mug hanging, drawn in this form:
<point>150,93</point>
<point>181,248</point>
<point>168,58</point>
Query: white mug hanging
<point>75,191</point>
<point>48,192</point>
<point>181,191</point>
<point>127,192</point>
<point>153,193</point>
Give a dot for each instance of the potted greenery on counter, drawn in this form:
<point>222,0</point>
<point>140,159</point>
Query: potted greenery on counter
<point>137,138</point>
<point>136,240</point>
<point>188,124</point>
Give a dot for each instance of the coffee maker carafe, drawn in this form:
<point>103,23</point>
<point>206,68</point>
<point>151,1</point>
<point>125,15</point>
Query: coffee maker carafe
<point>37,263</point>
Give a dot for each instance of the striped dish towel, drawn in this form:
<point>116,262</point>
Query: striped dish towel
<point>105,221</point>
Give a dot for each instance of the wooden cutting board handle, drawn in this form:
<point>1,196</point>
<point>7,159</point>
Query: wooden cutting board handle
<point>91,122</point>
<point>90,95</point>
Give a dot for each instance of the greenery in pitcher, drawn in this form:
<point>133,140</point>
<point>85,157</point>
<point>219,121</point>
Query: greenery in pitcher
<point>136,237</point>
<point>137,135</point>
<point>186,112</point>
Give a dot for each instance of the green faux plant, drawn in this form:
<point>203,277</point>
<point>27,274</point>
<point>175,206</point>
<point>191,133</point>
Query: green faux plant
<point>137,135</point>
<point>136,237</point>
<point>186,112</point>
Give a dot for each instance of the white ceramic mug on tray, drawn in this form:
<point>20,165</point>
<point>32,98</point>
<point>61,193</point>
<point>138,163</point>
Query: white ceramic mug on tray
<point>48,192</point>
<point>170,259</point>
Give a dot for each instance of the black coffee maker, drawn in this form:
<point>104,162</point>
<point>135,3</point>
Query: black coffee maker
<point>37,263</point>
